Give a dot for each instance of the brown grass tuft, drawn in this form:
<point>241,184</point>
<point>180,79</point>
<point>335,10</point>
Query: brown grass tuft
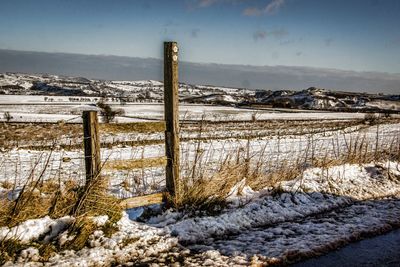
<point>37,201</point>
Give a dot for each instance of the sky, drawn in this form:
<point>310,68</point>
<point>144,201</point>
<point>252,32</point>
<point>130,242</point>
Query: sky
<point>359,35</point>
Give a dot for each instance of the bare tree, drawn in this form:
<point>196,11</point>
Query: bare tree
<point>107,112</point>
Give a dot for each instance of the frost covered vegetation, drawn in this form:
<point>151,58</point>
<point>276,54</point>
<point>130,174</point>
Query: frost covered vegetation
<point>254,192</point>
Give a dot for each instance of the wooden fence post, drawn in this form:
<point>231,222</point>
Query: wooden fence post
<point>91,143</point>
<point>171,114</point>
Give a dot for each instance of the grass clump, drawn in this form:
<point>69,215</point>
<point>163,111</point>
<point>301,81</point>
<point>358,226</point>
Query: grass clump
<point>94,200</point>
<point>201,197</point>
<point>80,230</point>
<point>37,200</point>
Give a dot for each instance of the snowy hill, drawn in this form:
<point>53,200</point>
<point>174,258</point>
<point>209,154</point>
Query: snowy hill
<point>128,91</point>
<point>152,91</point>
<point>322,99</point>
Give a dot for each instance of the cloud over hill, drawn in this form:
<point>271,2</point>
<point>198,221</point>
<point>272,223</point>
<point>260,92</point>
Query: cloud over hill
<point>262,77</point>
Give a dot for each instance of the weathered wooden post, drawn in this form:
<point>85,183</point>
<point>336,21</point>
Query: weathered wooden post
<point>91,143</point>
<point>171,114</point>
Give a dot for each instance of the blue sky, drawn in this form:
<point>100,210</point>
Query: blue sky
<point>361,35</point>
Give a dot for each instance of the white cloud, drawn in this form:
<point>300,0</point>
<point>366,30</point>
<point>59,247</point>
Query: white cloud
<point>272,8</point>
<point>208,3</point>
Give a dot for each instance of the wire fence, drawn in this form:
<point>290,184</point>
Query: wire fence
<point>139,169</point>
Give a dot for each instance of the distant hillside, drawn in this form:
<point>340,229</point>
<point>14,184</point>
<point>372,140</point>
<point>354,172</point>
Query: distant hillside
<point>152,91</point>
<point>322,99</point>
<point>241,76</point>
<point>125,91</point>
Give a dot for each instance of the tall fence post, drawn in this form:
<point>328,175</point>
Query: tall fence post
<point>171,114</point>
<point>91,143</point>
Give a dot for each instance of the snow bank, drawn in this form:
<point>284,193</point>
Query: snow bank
<point>33,229</point>
<point>313,216</point>
<point>133,241</point>
<point>352,180</point>
<point>318,190</point>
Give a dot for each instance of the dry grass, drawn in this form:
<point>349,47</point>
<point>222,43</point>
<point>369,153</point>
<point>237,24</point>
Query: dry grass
<point>131,164</point>
<point>137,127</point>
<point>37,201</point>
<point>94,200</point>
<point>17,134</point>
<point>41,198</point>
<point>20,134</point>
<point>209,194</point>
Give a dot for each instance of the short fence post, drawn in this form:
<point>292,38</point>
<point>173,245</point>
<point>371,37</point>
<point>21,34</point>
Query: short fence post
<point>171,114</point>
<point>91,143</point>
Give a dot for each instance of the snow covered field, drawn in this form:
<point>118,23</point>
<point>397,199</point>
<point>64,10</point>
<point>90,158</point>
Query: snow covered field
<point>37,109</point>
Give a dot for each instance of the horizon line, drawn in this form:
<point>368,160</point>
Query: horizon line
<point>205,63</point>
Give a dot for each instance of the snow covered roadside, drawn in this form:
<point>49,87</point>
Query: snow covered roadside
<point>355,181</point>
<point>133,241</point>
<point>319,211</point>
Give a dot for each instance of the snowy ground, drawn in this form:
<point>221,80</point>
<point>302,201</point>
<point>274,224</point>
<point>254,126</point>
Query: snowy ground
<point>319,211</point>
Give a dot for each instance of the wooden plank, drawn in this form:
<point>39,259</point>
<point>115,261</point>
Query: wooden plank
<point>171,114</point>
<point>140,201</point>
<point>91,141</point>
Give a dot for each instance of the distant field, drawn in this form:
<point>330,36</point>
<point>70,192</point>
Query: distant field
<point>37,109</point>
